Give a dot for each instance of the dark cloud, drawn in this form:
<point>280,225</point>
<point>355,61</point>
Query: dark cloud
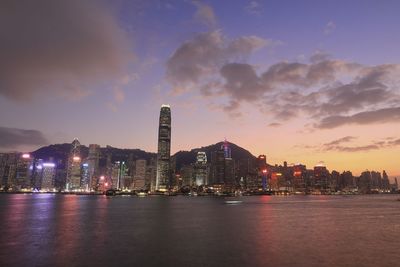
<point>340,141</point>
<point>242,81</point>
<point>328,92</point>
<point>61,47</point>
<point>367,117</point>
<point>13,137</point>
<point>202,56</point>
<point>338,145</point>
<point>357,148</point>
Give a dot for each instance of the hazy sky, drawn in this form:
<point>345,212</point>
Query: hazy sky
<point>302,81</point>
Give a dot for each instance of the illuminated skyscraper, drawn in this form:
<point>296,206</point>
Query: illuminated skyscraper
<point>85,176</point>
<point>201,169</point>
<point>74,166</point>
<point>48,176</point>
<point>227,149</point>
<point>24,171</point>
<point>93,164</point>
<point>164,149</point>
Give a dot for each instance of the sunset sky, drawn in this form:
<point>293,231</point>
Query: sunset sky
<point>301,81</point>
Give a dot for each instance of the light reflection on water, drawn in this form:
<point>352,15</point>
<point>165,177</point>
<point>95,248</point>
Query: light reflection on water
<point>69,230</point>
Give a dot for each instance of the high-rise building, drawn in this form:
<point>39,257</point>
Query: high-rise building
<point>201,169</point>
<point>8,167</point>
<point>119,172</point>
<point>93,164</point>
<point>37,172</point>
<point>164,149</point>
<point>385,181</point>
<point>74,167</point>
<point>217,167</point>
<point>227,149</point>
<point>24,171</point>
<point>48,176</point>
<point>85,176</point>
<point>151,174</point>
<point>140,174</point>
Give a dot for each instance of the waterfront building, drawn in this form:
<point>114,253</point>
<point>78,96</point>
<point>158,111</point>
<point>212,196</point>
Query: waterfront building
<point>139,179</point>
<point>8,165</point>
<point>85,176</point>
<point>151,175</point>
<point>201,169</point>
<point>23,171</point>
<point>364,182</point>
<point>73,180</point>
<point>164,149</point>
<point>187,175</point>
<point>93,165</point>
<point>385,181</point>
<point>217,167</point>
<point>320,176</point>
<point>36,174</point>
<point>48,176</point>
<point>299,178</point>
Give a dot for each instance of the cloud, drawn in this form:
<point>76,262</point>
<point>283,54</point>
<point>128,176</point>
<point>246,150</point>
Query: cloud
<point>339,141</point>
<point>357,148</point>
<point>330,92</point>
<point>319,56</point>
<point>242,82</point>
<point>368,117</point>
<point>395,142</point>
<point>118,90</point>
<point>338,145</point>
<point>326,91</point>
<point>61,48</point>
<point>254,8</point>
<point>13,137</point>
<point>205,14</point>
<point>274,124</point>
<point>204,54</point>
<point>329,27</point>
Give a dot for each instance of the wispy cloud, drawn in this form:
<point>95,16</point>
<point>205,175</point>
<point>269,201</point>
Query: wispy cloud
<point>205,14</point>
<point>367,117</point>
<point>254,8</point>
<point>344,145</point>
<point>329,27</point>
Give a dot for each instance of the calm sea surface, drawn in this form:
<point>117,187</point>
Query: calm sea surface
<point>69,230</point>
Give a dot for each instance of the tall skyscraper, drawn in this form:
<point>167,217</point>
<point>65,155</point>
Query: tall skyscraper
<point>93,165</point>
<point>201,168</point>
<point>74,166</point>
<point>164,149</point>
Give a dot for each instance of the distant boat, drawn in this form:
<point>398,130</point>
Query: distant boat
<point>233,202</point>
<point>142,194</point>
<point>110,192</point>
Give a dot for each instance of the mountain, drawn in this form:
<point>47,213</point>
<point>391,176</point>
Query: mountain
<point>59,152</point>
<point>187,157</point>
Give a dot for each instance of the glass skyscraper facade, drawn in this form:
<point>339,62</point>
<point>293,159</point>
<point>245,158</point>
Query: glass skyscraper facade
<point>164,149</point>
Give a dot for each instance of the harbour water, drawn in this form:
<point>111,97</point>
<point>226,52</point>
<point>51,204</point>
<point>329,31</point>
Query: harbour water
<point>72,230</point>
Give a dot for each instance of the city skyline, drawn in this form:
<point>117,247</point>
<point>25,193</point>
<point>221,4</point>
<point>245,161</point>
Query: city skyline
<point>318,84</point>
